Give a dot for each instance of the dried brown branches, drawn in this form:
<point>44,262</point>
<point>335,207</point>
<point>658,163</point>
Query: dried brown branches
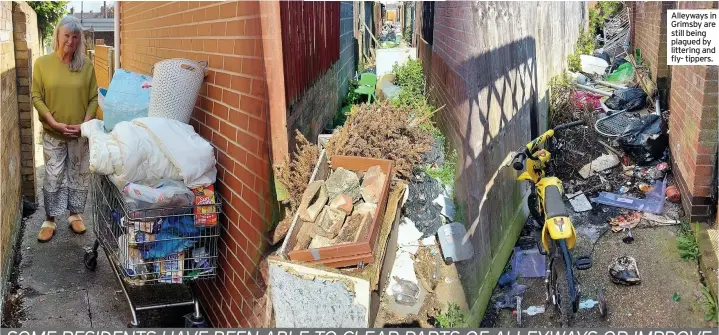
<point>297,174</point>
<point>385,132</point>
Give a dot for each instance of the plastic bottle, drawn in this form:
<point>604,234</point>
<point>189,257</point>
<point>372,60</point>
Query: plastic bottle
<point>534,310</point>
<point>405,292</point>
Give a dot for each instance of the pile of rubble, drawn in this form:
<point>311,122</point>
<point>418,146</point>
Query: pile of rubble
<point>339,210</point>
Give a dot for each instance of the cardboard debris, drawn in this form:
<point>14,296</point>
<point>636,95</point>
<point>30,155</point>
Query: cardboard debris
<point>621,222</point>
<point>659,219</point>
<point>408,236</point>
<point>600,164</point>
<point>427,241</point>
<point>403,268</point>
<point>579,202</point>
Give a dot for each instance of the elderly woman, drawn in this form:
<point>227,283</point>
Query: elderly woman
<point>64,92</point>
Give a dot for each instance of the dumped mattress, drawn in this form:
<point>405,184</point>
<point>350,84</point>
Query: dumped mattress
<point>147,150</point>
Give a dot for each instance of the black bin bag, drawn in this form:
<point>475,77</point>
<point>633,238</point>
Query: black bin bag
<point>644,139</point>
<point>627,98</point>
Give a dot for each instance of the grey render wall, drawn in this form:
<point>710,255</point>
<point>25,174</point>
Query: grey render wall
<point>348,49</point>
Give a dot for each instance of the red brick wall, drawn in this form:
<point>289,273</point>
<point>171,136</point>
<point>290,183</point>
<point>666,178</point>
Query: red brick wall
<point>650,34</point>
<point>231,112</point>
<point>693,130</point>
<point>692,102</point>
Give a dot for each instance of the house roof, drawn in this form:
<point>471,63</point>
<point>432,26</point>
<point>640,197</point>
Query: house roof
<point>99,24</point>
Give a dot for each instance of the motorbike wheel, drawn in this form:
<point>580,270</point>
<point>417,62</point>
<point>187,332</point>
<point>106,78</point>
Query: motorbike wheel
<point>534,209</point>
<point>563,299</point>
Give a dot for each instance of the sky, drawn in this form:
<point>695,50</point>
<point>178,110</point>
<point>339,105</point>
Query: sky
<point>87,5</point>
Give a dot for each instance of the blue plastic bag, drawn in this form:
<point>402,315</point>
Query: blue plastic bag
<point>167,244</point>
<point>127,98</point>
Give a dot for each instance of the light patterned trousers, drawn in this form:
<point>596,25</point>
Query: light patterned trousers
<point>67,175</point>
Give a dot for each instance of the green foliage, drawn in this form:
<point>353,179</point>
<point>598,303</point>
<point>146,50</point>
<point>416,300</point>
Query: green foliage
<point>561,80</point>
<point>687,243</point>
<point>454,317</point>
<point>709,304</point>
<point>388,45</point>
<point>460,211</point>
<point>341,116</point>
<point>585,46</point>
<point>352,97</point>
<point>411,79</point>
<point>446,173</point>
<point>48,14</point>
<point>601,13</point>
<point>407,35</point>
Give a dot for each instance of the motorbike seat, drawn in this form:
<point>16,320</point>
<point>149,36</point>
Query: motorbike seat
<point>553,203</point>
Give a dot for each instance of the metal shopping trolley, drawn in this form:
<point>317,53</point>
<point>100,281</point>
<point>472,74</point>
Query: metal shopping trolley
<point>157,246</point>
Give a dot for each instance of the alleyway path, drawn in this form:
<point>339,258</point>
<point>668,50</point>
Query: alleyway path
<point>648,305</point>
<point>57,290</point>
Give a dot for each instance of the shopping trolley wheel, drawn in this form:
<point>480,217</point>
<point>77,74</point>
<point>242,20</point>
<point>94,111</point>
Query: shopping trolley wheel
<point>90,260</point>
<point>195,322</point>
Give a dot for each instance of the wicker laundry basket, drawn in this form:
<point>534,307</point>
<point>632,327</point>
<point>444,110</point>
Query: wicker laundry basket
<point>176,83</point>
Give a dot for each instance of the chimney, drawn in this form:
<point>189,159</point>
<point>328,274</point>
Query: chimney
<point>72,10</point>
<point>104,9</point>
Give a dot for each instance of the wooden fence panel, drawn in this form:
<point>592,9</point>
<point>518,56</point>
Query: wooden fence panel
<point>103,61</point>
<point>310,38</point>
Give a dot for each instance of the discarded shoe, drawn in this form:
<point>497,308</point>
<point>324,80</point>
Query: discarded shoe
<point>623,271</point>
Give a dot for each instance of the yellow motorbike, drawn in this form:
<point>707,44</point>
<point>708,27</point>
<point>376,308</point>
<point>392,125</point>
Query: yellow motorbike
<point>558,236</point>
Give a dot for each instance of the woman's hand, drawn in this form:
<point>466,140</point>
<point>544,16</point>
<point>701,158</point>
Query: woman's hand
<point>67,130</point>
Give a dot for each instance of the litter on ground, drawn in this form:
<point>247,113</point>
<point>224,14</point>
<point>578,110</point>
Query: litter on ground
<point>600,164</point>
<point>653,203</point>
<point>447,206</point>
<point>408,237</point>
<point>579,202</point>
<point>529,263</point>
<point>451,240</point>
<point>403,269</point>
<point>659,220</point>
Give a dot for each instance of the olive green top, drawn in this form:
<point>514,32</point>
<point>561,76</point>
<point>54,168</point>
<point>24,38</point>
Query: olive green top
<point>68,96</point>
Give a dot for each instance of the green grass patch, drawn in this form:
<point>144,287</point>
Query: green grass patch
<point>709,304</point>
<point>687,243</point>
<point>446,173</point>
<point>453,317</point>
<point>414,94</point>
<point>410,78</point>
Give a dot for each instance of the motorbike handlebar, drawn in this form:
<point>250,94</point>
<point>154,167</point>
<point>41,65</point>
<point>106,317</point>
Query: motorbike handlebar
<point>569,125</point>
<point>518,161</point>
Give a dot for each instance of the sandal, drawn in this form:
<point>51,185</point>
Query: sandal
<point>76,224</point>
<point>47,231</point>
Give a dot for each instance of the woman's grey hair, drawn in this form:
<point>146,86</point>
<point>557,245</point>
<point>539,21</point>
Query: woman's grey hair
<point>71,23</point>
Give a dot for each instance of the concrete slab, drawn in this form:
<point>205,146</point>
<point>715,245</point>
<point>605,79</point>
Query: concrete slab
<point>107,304</point>
<point>708,241</point>
<point>304,296</point>
<point>60,310</point>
